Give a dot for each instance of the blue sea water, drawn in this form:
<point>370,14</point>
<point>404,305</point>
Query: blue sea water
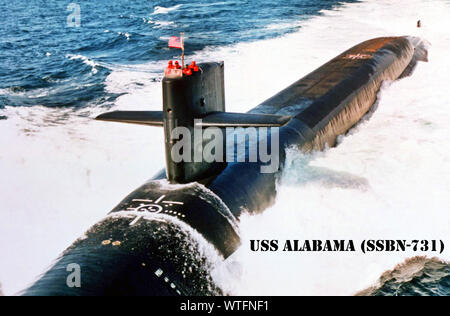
<point>44,61</point>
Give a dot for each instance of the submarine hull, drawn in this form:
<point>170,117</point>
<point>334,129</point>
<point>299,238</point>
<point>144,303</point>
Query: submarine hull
<point>160,239</point>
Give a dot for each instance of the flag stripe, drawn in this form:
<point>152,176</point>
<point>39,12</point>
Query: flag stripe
<point>175,42</point>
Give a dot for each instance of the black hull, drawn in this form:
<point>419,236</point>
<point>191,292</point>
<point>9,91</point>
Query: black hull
<point>146,246</point>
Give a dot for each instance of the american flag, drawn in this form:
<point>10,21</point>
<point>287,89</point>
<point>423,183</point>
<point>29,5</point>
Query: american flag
<point>175,42</point>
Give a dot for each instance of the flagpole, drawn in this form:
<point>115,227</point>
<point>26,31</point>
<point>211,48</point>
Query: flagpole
<point>182,49</point>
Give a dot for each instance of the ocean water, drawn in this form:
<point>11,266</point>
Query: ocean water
<point>61,171</point>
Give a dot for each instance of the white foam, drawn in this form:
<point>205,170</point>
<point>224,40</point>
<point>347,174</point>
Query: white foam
<point>388,179</point>
<point>60,178</point>
<point>125,34</point>
<point>206,249</point>
<point>163,10</point>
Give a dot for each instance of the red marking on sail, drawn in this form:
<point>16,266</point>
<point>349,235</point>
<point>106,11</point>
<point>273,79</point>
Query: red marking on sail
<point>175,42</point>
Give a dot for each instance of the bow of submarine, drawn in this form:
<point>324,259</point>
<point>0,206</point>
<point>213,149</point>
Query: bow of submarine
<point>151,243</point>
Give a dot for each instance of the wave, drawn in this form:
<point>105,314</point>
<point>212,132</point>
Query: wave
<point>377,183</point>
<point>163,10</point>
<point>283,26</point>
<point>415,276</point>
<point>85,60</point>
<point>163,24</point>
<point>373,183</point>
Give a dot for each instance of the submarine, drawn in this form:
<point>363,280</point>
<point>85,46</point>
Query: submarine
<point>152,242</point>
